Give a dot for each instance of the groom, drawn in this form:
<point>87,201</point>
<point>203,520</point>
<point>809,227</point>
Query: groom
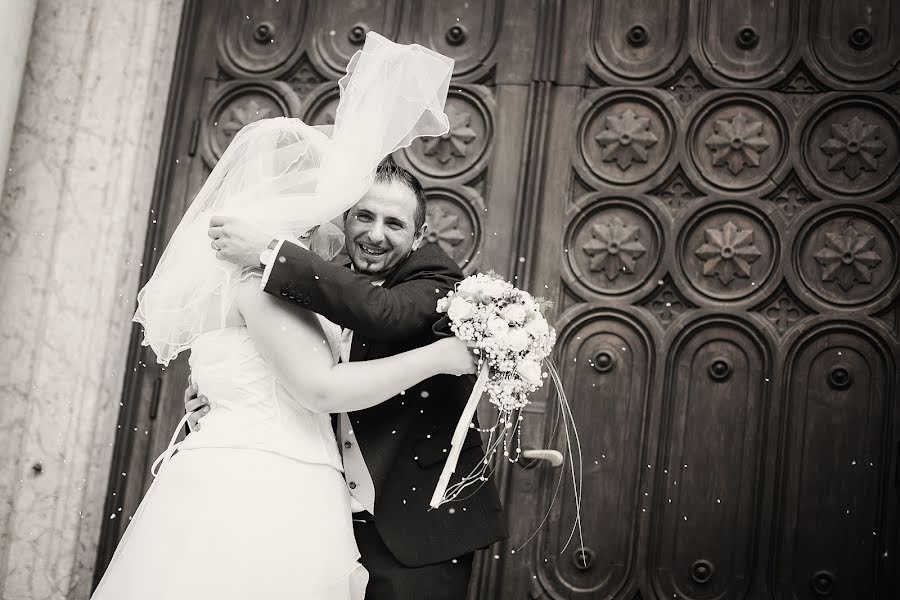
<point>394,452</point>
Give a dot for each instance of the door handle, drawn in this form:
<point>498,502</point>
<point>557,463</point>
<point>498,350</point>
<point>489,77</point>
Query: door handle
<point>554,457</point>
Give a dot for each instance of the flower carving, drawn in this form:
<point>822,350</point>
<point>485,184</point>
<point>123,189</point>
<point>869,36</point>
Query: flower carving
<point>626,139</point>
<point>728,253</point>
<point>848,257</point>
<point>614,247</point>
<point>443,229</point>
<point>853,147</point>
<point>455,141</point>
<point>737,142</point>
<point>241,114</point>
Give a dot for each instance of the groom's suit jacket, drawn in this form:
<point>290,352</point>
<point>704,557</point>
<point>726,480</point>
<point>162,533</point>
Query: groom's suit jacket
<point>405,440</point>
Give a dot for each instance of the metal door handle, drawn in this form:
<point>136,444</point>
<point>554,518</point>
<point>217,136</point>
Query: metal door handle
<point>554,457</point>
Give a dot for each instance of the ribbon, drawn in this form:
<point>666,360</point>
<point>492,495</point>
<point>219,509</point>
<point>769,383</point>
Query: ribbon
<point>459,436</point>
<point>163,458</point>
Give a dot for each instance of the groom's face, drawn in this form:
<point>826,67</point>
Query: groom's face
<point>380,229</point>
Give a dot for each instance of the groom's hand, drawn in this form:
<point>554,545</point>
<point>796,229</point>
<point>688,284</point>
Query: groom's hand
<point>237,241</point>
<point>197,406</point>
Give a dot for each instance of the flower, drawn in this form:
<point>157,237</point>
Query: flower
<point>517,340</point>
<point>494,288</point>
<point>537,326</point>
<point>497,327</point>
<point>470,285</point>
<point>530,372</point>
<point>514,313</point>
<point>460,308</point>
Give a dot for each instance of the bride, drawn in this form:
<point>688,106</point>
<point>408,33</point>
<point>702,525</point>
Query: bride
<point>254,505</point>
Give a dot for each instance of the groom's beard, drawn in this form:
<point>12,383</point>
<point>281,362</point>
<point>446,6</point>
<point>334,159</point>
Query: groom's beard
<point>363,269</point>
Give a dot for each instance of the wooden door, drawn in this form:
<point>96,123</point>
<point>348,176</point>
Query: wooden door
<point>718,225</point>
<point>708,192</point>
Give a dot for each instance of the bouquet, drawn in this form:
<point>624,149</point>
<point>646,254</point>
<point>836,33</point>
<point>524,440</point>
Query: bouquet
<point>508,330</point>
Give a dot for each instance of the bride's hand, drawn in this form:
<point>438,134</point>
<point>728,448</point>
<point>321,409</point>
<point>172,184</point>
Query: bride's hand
<point>456,356</point>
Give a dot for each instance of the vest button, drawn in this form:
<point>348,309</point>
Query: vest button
<point>352,485</point>
<point>348,445</point>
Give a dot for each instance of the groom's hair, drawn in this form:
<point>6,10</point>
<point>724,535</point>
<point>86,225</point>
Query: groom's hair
<point>389,171</point>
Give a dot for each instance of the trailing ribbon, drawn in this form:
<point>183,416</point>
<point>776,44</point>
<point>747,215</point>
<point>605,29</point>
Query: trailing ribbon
<point>459,436</point>
<point>163,458</point>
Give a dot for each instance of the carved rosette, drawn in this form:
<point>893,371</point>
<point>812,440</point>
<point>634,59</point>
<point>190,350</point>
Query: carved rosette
<point>851,147</point>
<point>612,246</point>
<point>737,143</point>
<point>455,142</point>
<point>625,138</point>
<point>465,145</point>
<point>239,103</point>
<point>453,223</point>
<point>847,256</point>
<point>728,252</point>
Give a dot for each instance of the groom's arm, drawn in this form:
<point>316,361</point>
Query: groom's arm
<point>393,314</point>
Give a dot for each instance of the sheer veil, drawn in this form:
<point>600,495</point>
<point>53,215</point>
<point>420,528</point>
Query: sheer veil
<point>287,177</point>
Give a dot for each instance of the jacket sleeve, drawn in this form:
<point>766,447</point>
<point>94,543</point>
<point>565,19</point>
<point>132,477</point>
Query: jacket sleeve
<point>393,314</point>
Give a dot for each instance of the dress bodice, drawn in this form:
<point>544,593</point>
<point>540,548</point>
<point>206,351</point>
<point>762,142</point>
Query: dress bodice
<point>248,406</point>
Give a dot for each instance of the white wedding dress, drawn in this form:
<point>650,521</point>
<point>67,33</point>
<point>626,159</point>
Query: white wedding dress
<point>251,507</point>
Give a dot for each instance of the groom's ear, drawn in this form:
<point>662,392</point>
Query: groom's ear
<point>419,237</point>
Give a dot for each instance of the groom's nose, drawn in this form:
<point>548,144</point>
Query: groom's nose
<point>376,233</point>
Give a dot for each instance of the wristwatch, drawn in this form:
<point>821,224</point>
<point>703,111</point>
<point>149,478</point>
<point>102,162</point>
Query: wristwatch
<point>266,254</point>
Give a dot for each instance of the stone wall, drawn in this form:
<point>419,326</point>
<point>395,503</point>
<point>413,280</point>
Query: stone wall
<point>73,216</point>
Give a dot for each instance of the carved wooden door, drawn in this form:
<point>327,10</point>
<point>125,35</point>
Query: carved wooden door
<point>243,60</point>
<point>707,190</point>
<point>718,224</point>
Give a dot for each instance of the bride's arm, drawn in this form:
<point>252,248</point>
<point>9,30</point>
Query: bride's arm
<point>293,342</point>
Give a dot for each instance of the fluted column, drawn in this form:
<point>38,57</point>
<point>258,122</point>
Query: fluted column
<point>15,33</point>
<point>73,217</point>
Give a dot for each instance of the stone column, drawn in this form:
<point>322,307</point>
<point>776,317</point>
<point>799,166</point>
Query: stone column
<point>73,217</point>
<point>15,32</point>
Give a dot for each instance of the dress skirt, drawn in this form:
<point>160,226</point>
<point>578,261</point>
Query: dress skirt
<point>238,524</point>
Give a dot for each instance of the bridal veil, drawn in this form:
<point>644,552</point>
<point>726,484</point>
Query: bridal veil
<point>287,176</point>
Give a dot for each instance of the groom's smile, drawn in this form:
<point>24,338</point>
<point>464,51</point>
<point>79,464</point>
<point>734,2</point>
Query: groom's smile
<point>381,229</point>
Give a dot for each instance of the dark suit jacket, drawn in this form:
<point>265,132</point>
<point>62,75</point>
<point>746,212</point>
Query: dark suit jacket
<point>406,439</point>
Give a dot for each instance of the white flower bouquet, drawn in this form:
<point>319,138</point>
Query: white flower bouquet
<point>508,329</point>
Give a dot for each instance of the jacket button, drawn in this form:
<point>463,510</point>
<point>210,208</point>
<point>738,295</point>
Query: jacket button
<point>348,445</point>
<point>352,485</point>
<point>284,292</point>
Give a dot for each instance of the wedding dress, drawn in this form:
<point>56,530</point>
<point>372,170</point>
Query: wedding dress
<point>251,506</point>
